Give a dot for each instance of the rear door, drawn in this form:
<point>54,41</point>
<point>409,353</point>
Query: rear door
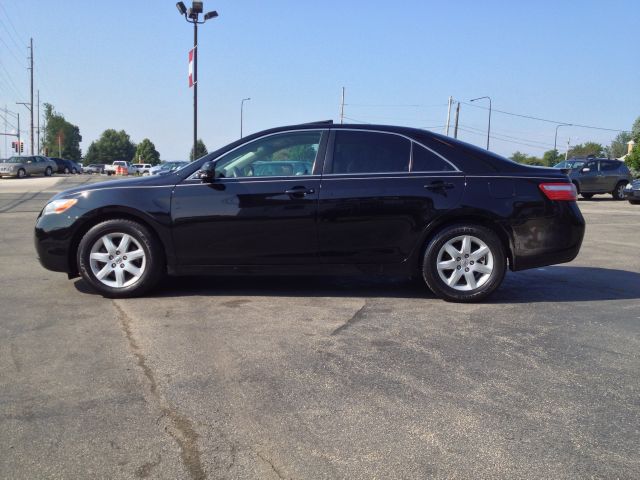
<point>379,191</point>
<point>610,174</point>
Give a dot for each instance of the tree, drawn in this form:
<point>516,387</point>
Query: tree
<point>526,159</point>
<point>550,158</point>
<point>618,146</point>
<point>635,131</point>
<point>201,151</point>
<point>633,160</point>
<point>111,146</point>
<point>147,153</point>
<point>61,138</point>
<point>586,149</point>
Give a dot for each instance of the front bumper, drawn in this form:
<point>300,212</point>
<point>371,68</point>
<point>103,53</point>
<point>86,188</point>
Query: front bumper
<point>632,194</point>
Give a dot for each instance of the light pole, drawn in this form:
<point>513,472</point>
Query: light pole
<point>191,16</point>
<point>555,140</point>
<point>241,112</point>
<point>489,128</point>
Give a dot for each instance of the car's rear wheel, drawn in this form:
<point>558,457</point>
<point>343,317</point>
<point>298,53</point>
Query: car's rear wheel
<point>66,170</point>
<point>464,263</point>
<point>618,193</point>
<point>75,171</point>
<point>120,258</point>
<point>21,173</point>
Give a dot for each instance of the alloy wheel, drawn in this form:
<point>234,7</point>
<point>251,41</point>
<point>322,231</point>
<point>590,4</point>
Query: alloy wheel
<point>465,263</point>
<point>117,260</point>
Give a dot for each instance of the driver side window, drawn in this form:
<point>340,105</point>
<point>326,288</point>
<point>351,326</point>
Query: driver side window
<point>286,154</point>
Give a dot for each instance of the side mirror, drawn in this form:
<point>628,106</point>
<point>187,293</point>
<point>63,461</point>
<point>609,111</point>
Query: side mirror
<point>585,170</point>
<point>207,172</point>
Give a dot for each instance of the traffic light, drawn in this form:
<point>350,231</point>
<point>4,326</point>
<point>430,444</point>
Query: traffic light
<point>14,145</point>
<point>21,146</point>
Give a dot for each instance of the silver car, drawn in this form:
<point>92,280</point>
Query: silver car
<point>20,167</point>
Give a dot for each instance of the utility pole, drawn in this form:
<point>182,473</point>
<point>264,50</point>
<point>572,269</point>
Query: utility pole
<point>566,154</point>
<point>342,108</point>
<point>38,152</point>
<point>31,101</point>
<point>446,129</point>
<point>455,130</point>
<point>5,130</point>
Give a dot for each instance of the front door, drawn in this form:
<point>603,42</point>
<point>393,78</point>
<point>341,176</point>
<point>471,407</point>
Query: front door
<point>260,210</point>
<point>590,181</point>
<point>379,191</point>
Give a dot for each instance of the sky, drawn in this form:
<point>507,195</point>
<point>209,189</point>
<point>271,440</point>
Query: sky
<point>123,65</point>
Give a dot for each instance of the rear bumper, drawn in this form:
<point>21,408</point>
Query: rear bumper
<point>549,240</point>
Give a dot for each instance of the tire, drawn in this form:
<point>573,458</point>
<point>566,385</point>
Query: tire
<point>618,192</point>
<point>66,170</point>
<point>493,262</point>
<point>634,202</point>
<point>21,173</point>
<point>74,171</point>
<point>48,172</point>
<point>587,196</point>
<point>132,277</point>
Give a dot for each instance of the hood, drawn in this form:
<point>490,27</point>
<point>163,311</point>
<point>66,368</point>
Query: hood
<point>155,181</point>
<point>7,164</point>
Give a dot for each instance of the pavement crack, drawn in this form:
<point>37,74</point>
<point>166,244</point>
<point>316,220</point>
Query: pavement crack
<point>273,467</point>
<point>179,427</point>
<point>355,318</point>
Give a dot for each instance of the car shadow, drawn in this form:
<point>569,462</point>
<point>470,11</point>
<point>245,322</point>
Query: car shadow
<point>549,284</point>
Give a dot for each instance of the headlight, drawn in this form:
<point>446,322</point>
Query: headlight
<point>628,186</point>
<point>59,206</point>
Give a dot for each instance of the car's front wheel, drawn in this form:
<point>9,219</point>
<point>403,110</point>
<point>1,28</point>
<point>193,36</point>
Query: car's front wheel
<point>464,263</point>
<point>48,172</point>
<point>618,193</point>
<point>120,258</point>
<point>21,173</point>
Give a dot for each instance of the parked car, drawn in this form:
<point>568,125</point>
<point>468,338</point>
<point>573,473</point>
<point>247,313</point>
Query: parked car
<point>66,166</point>
<point>167,167</point>
<point>20,167</point>
<point>632,192</point>
<point>113,168</point>
<point>94,168</point>
<point>141,168</point>
<point>373,199</point>
<point>593,176</point>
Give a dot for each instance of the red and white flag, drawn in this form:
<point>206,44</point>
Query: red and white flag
<point>191,53</point>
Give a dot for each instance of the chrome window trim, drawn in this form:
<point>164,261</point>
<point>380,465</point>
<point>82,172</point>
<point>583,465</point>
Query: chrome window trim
<point>321,130</point>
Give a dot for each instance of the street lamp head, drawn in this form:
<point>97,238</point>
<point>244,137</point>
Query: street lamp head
<point>197,7</point>
<point>479,98</point>
<point>181,8</point>
<point>210,15</point>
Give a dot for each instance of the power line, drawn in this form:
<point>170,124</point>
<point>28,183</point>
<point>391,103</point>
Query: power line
<point>11,36</point>
<point>394,106</point>
<point>13,85</point>
<point>6,14</point>
<point>531,117</point>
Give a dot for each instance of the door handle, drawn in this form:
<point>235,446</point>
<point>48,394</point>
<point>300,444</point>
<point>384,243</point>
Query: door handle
<point>300,191</point>
<point>439,185</point>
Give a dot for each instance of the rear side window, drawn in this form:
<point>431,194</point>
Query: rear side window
<point>370,152</point>
<point>426,161</point>
<point>609,166</point>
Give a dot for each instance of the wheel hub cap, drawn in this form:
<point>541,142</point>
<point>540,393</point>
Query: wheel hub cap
<point>465,263</point>
<point>117,260</point>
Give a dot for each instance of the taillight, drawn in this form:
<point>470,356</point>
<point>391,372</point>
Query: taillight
<point>559,191</point>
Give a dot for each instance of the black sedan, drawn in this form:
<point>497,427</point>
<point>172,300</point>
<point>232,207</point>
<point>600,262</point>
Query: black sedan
<point>66,166</point>
<point>320,198</point>
<point>632,192</point>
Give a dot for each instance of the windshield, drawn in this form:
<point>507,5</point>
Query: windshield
<point>15,160</point>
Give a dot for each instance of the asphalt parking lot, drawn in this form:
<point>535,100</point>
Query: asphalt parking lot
<point>311,378</point>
